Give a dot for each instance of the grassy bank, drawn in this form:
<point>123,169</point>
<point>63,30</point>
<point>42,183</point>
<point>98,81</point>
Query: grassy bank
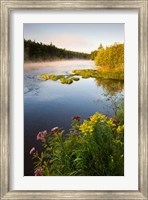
<point>104,73</point>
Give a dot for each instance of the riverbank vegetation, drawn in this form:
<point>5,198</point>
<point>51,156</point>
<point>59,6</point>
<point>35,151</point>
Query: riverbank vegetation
<point>111,86</point>
<point>110,61</point>
<point>104,73</point>
<point>111,57</point>
<point>35,51</point>
<point>92,147</point>
<point>109,65</point>
<point>84,73</point>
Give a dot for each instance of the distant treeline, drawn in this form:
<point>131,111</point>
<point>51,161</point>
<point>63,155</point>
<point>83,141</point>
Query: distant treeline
<point>111,56</point>
<point>34,51</point>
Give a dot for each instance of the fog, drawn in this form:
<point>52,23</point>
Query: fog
<point>29,66</point>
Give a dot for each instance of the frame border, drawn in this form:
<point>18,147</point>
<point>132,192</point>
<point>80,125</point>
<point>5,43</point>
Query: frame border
<point>5,9</point>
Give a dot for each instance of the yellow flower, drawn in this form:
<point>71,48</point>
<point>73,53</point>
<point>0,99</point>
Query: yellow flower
<point>86,127</point>
<point>120,129</point>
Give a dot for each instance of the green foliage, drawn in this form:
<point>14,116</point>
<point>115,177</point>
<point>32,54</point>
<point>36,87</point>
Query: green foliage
<point>94,147</point>
<point>51,77</point>
<point>118,106</point>
<point>64,79</point>
<point>109,74</point>
<point>84,73</point>
<point>112,56</point>
<point>76,79</point>
<point>93,54</point>
<point>34,51</point>
<point>119,114</point>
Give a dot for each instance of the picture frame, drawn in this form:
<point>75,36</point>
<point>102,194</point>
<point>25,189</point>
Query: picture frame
<point>6,7</point>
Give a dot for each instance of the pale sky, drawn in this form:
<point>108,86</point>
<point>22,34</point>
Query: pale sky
<point>80,37</point>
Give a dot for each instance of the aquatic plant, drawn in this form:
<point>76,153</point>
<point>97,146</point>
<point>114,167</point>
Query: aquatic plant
<point>75,79</point>
<point>50,77</point>
<point>100,73</point>
<point>104,73</point>
<point>65,80</point>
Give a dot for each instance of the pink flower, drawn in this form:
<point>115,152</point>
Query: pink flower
<point>32,151</point>
<point>38,172</point>
<point>74,133</point>
<point>41,135</point>
<point>107,116</point>
<point>55,129</point>
<point>114,121</point>
<point>76,118</point>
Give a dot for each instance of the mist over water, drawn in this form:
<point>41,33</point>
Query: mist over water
<point>65,64</point>
<point>49,103</point>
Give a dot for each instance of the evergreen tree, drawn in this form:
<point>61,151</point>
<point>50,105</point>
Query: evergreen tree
<point>35,51</point>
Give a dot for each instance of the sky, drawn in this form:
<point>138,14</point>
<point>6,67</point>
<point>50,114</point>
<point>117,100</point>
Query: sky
<point>82,37</point>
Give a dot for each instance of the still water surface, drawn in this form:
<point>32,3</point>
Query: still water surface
<point>49,103</point>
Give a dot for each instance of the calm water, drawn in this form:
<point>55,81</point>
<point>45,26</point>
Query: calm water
<point>49,103</point>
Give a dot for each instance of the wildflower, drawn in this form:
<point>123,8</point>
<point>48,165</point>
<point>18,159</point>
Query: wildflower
<point>55,129</point>
<point>114,121</point>
<point>76,118</point>
<point>38,172</point>
<point>41,135</point>
<point>86,127</point>
<point>111,123</point>
<point>73,133</point>
<point>32,151</point>
<point>107,116</point>
<point>88,118</point>
<point>120,129</point>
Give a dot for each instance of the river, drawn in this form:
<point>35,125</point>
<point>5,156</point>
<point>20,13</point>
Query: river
<point>49,103</point>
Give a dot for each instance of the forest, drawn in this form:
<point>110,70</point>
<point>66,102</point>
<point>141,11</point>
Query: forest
<point>111,56</point>
<point>109,63</point>
<point>35,51</point>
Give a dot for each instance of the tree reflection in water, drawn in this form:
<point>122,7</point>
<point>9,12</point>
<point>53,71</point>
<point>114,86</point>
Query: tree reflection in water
<point>112,87</point>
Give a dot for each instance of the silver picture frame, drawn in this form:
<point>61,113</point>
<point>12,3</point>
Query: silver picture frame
<point>6,7</point>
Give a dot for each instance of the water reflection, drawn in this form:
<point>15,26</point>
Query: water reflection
<point>112,87</point>
<point>49,103</point>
